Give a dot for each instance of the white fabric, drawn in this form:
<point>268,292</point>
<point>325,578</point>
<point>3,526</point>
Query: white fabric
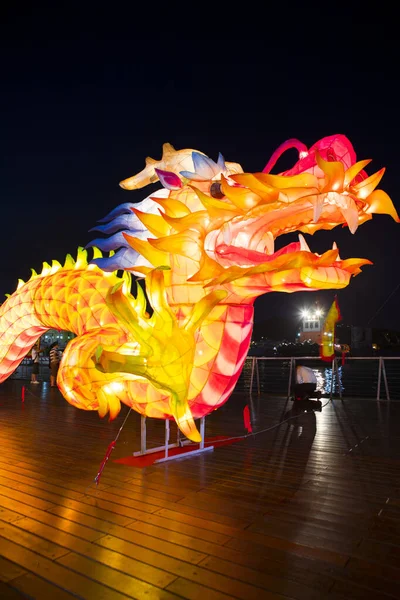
<point>305,375</point>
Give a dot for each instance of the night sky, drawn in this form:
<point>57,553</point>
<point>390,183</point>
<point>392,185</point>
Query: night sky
<point>82,107</point>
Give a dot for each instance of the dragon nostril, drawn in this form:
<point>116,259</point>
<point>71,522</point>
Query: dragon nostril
<point>216,191</point>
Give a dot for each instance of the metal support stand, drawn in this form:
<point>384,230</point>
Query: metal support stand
<point>337,375</point>
<point>385,379</point>
<point>180,443</point>
<point>332,374</point>
<point>290,377</point>
<point>142,434</point>
<point>378,391</point>
<point>252,374</point>
<point>258,378</point>
<point>339,383</point>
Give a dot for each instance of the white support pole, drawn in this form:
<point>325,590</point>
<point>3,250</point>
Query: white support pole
<point>252,375</point>
<point>385,379</point>
<point>186,454</point>
<point>258,376</point>
<point>180,443</point>
<point>378,391</point>
<point>199,450</point>
<point>142,434</point>
<point>339,383</point>
<point>290,378</point>
<point>333,370</point>
<point>202,431</point>
<point>166,438</point>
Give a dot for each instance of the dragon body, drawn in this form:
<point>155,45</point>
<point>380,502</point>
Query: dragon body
<point>204,245</point>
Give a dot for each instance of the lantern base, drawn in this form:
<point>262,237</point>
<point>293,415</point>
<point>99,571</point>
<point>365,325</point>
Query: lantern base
<point>180,443</point>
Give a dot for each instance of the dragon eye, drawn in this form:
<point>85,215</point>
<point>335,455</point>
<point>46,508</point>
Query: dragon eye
<point>215,190</point>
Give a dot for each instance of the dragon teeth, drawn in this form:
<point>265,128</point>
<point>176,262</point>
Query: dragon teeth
<point>318,204</point>
<point>350,214</point>
<point>269,241</point>
<point>334,247</point>
<point>303,244</point>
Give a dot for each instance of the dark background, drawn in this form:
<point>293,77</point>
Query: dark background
<point>85,98</point>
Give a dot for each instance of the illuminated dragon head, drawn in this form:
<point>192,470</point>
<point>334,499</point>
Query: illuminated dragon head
<point>216,226</point>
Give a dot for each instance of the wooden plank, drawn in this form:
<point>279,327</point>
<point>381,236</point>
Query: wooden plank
<point>280,515</point>
<point>25,538</point>
<point>66,525</point>
<point>251,545</point>
<point>9,593</point>
<point>273,562</point>
<point>196,574</point>
<point>9,570</point>
<point>56,574</point>
<point>32,586</point>
<point>30,482</point>
<point>116,573</point>
<point>282,586</point>
<point>196,591</point>
<point>107,525</point>
<point>96,509</point>
<point>25,498</point>
<point>41,533</point>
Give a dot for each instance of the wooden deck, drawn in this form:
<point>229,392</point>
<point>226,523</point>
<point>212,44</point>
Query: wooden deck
<point>308,510</point>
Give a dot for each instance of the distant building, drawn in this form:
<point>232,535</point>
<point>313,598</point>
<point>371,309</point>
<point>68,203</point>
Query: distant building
<point>311,324</point>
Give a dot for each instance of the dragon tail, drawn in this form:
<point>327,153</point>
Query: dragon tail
<point>20,328</point>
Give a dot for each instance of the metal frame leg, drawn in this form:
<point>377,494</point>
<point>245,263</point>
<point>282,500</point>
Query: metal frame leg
<point>180,443</point>
<point>142,434</point>
<point>199,450</point>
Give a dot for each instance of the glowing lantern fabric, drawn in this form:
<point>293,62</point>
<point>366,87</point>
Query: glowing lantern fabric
<point>204,245</point>
<point>327,346</point>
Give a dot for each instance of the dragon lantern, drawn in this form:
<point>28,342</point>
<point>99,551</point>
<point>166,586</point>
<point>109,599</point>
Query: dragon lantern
<point>204,245</point>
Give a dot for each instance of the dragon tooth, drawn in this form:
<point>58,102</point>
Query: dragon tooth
<point>303,244</point>
<point>334,247</point>
<point>268,238</point>
<point>318,204</point>
<point>350,214</point>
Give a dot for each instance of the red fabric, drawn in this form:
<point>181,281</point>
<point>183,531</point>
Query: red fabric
<point>148,459</point>
<point>246,419</point>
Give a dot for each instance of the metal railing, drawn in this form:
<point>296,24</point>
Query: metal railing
<point>368,377</point>
<point>24,370</point>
